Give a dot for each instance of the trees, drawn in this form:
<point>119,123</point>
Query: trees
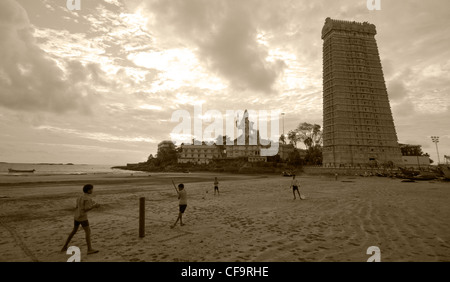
<point>411,150</point>
<point>314,155</point>
<point>293,138</point>
<point>294,158</point>
<point>167,154</point>
<point>282,139</point>
<point>311,136</point>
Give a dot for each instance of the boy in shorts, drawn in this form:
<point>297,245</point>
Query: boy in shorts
<point>216,186</point>
<point>294,185</point>
<point>182,196</point>
<point>84,204</point>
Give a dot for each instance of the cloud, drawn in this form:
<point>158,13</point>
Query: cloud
<point>150,107</point>
<point>98,136</point>
<point>225,37</point>
<point>29,79</point>
<point>396,90</point>
<point>403,109</point>
<point>113,2</point>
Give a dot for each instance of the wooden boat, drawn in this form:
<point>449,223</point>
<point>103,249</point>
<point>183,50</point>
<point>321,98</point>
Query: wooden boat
<point>21,171</point>
<point>425,176</point>
<point>445,170</point>
<point>409,172</point>
<point>413,174</point>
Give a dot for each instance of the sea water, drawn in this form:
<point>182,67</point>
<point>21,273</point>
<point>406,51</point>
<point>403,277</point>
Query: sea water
<point>53,169</point>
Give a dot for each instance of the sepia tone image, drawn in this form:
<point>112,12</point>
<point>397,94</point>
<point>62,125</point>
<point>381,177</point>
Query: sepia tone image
<point>224,131</point>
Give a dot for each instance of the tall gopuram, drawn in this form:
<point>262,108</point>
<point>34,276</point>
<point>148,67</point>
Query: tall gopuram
<point>358,128</point>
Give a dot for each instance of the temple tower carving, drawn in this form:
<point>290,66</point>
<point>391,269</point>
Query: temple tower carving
<point>358,127</point>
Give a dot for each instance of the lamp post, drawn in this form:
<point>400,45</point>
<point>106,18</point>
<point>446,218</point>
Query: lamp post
<point>435,140</point>
<point>282,114</point>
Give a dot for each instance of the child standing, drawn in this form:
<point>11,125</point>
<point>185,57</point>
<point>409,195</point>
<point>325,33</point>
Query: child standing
<point>294,185</point>
<point>182,196</point>
<point>216,186</point>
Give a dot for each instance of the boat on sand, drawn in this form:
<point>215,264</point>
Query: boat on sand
<point>21,171</point>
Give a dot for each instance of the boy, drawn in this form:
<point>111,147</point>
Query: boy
<point>294,185</point>
<point>182,196</point>
<point>84,204</point>
<point>216,186</point>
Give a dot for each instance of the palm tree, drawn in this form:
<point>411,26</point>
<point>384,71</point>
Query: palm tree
<point>293,137</point>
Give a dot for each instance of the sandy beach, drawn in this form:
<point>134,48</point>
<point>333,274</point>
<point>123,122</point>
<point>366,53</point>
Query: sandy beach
<point>254,219</point>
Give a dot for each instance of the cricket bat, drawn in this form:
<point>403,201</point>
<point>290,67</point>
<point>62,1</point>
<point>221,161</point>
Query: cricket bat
<point>174,186</point>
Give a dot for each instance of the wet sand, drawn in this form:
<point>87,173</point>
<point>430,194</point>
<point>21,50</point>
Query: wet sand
<point>254,219</point>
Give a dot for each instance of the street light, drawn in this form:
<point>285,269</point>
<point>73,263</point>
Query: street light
<point>435,140</point>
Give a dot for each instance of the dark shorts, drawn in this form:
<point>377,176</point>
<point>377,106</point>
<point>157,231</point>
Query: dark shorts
<point>182,208</point>
<point>216,187</point>
<point>84,223</point>
<point>294,188</point>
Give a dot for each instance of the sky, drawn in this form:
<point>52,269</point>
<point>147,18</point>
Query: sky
<point>99,85</point>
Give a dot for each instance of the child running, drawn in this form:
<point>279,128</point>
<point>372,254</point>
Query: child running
<point>84,204</point>
<point>182,196</point>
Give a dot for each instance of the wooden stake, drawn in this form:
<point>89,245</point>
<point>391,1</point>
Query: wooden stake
<point>142,217</point>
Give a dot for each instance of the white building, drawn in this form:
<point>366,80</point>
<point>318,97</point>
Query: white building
<point>416,161</point>
<point>198,154</point>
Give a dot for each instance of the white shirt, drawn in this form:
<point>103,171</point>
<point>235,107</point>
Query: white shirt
<point>182,195</point>
<point>84,203</point>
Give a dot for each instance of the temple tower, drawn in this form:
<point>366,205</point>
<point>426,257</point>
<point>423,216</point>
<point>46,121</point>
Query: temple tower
<point>358,127</point>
